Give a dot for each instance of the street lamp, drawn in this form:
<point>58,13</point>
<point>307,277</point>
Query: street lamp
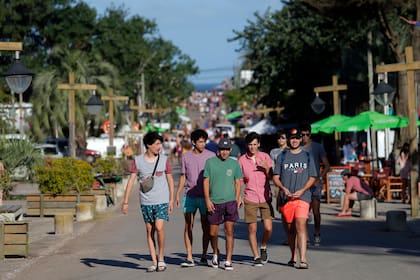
<point>94,105</point>
<point>384,94</point>
<point>318,105</point>
<point>19,78</point>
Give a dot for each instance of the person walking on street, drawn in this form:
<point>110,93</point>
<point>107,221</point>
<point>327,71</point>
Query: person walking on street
<point>156,195</point>
<point>282,145</point>
<point>222,193</point>
<point>403,161</point>
<point>256,168</point>
<point>192,168</point>
<point>294,174</point>
<point>319,155</point>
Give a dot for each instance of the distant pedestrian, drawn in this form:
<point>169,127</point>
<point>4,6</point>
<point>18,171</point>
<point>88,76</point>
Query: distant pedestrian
<point>256,168</point>
<point>294,174</point>
<point>192,168</point>
<point>404,163</point>
<point>281,136</point>
<point>156,195</point>
<point>222,192</point>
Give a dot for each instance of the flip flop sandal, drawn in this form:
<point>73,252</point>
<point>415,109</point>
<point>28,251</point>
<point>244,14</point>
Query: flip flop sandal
<point>291,263</point>
<point>161,266</point>
<point>341,215</point>
<point>303,265</point>
<point>151,268</point>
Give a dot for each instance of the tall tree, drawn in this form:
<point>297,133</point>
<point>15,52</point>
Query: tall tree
<point>397,34</point>
<point>298,49</point>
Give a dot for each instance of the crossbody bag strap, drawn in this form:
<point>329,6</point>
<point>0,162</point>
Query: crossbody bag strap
<point>154,169</point>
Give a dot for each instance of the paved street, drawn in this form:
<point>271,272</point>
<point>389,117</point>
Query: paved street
<point>113,246</point>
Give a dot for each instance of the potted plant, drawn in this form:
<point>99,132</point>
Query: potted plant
<point>63,184</point>
<point>18,158</point>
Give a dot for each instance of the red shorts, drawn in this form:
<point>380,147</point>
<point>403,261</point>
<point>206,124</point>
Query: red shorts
<point>294,209</point>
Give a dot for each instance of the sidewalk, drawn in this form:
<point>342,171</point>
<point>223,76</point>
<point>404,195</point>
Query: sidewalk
<point>42,239</point>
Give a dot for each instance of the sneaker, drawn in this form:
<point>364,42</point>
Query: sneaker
<point>203,260</point>
<point>228,265</point>
<point>188,263</point>
<point>258,262</point>
<point>264,255</point>
<point>317,240</point>
<point>215,261</point>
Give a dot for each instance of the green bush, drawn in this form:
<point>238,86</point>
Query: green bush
<point>108,166</point>
<point>65,175</point>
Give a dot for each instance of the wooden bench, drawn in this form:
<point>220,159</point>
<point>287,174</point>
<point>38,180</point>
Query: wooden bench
<point>11,213</point>
<point>14,240</point>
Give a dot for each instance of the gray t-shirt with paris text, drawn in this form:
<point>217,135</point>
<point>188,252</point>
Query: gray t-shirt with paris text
<point>295,170</point>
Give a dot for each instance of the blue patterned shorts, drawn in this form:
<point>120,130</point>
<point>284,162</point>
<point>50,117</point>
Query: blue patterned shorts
<point>154,212</point>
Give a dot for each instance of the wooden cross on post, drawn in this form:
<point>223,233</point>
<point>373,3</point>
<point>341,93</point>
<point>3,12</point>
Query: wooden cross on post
<point>111,98</point>
<point>72,87</point>
<point>144,110</point>
<point>409,67</point>
<point>266,110</point>
<point>335,88</point>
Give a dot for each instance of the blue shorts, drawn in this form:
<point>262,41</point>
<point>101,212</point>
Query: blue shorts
<point>224,212</point>
<point>154,212</point>
<point>191,204</point>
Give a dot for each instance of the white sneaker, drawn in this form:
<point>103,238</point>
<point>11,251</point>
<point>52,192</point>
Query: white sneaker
<point>215,261</point>
<point>228,265</point>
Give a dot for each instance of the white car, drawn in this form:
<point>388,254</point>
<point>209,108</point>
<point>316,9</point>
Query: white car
<point>49,150</point>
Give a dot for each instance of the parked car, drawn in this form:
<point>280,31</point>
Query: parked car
<point>49,150</point>
<point>92,155</point>
<point>62,145</point>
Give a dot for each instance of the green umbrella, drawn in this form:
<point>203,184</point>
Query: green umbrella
<point>233,115</point>
<point>328,124</point>
<point>371,119</point>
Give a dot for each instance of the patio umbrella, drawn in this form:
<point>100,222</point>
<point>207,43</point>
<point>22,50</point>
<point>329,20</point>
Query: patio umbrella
<point>233,115</point>
<point>328,124</point>
<point>371,119</point>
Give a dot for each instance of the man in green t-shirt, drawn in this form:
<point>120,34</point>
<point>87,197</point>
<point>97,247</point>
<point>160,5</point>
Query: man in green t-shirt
<point>222,189</point>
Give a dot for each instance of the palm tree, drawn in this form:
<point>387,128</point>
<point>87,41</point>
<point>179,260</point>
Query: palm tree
<point>50,105</point>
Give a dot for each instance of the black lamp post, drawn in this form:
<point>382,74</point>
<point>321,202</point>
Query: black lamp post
<point>19,78</point>
<point>94,105</point>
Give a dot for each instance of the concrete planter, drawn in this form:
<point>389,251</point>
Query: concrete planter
<point>84,211</point>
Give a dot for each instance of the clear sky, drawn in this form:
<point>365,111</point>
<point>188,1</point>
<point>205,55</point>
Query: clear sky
<point>200,28</point>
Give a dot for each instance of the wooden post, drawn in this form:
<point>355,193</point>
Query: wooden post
<point>111,98</point>
<point>71,87</point>
<point>409,66</point>
<point>335,88</point>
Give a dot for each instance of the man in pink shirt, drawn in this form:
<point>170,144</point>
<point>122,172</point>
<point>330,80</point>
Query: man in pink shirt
<point>355,190</point>
<point>256,168</point>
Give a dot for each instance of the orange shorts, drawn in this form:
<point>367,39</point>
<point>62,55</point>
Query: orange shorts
<point>294,209</point>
